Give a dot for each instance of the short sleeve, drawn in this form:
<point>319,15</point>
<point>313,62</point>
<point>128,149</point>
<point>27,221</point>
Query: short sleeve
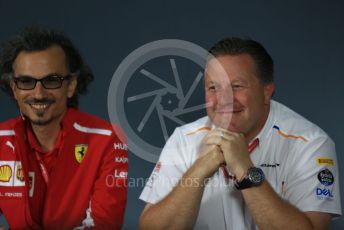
<point>313,181</point>
<point>172,164</point>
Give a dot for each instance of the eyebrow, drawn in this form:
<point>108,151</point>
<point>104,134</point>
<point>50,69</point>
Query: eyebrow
<point>209,82</point>
<point>49,75</point>
<point>240,80</point>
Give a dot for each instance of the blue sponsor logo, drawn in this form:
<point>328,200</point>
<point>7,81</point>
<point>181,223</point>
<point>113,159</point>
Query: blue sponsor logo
<point>324,193</point>
<point>326,177</point>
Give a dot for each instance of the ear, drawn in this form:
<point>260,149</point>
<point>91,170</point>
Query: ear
<point>269,89</point>
<point>72,87</point>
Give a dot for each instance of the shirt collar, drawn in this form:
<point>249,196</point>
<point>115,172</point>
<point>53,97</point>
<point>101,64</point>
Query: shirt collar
<point>34,145</point>
<point>268,124</point>
<point>263,133</point>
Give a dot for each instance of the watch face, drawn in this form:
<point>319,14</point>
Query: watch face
<point>256,175</point>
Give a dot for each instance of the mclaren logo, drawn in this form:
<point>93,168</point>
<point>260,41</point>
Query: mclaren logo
<point>268,165</point>
<point>80,152</point>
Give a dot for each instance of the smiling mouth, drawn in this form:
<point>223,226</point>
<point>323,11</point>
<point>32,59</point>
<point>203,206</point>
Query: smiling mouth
<point>229,111</point>
<point>238,110</point>
<point>39,107</point>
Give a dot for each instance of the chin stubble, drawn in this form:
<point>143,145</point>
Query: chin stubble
<point>41,122</point>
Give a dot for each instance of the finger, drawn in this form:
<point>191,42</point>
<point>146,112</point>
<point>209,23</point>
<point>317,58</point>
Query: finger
<point>214,152</point>
<point>219,155</point>
<point>219,139</point>
<point>213,140</point>
<point>215,133</point>
<point>230,133</point>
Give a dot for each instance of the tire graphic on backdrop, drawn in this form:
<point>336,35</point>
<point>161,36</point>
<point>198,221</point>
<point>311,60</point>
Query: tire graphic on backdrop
<point>164,80</point>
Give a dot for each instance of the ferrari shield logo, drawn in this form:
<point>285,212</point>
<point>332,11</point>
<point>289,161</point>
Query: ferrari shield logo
<point>80,152</point>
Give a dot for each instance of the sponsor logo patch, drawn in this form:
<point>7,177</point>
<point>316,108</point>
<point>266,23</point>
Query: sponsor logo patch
<point>270,165</point>
<point>120,146</point>
<point>20,173</point>
<point>11,174</point>
<point>326,177</point>
<point>121,159</point>
<point>80,152</point>
<point>5,173</point>
<point>157,167</point>
<point>324,193</point>
<point>325,161</point>
<point>120,174</point>
<point>154,175</point>
<point>11,194</point>
<point>18,179</point>
<point>31,183</point>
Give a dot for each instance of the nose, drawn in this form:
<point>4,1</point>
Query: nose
<point>225,97</point>
<point>39,91</point>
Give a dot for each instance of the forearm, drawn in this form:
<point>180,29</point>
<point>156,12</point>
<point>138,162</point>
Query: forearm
<point>178,210</point>
<point>271,212</point>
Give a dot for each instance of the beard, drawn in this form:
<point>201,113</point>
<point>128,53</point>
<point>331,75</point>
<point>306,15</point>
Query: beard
<point>41,122</point>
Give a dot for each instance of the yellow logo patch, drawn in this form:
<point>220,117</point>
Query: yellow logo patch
<point>325,161</point>
<point>5,173</point>
<point>80,152</point>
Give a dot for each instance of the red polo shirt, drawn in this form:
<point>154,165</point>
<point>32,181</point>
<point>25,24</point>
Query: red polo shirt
<point>87,174</point>
<point>41,163</point>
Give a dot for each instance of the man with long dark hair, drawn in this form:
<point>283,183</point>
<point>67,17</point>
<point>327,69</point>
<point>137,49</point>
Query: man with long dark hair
<point>55,161</point>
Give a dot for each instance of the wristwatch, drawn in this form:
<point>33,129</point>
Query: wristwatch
<point>255,177</point>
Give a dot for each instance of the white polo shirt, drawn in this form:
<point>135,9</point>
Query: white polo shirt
<point>297,157</point>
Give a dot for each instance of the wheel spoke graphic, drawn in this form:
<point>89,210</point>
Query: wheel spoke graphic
<point>157,79</point>
<point>191,90</point>
<point>173,118</point>
<point>176,77</point>
<point>162,124</point>
<point>189,109</point>
<point>148,113</point>
<point>144,95</point>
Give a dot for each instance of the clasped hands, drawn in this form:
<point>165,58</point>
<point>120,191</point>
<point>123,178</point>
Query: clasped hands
<point>223,147</point>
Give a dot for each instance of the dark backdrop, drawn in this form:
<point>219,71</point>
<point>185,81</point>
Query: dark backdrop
<point>305,38</point>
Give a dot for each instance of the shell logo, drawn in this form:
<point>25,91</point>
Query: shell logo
<point>5,173</point>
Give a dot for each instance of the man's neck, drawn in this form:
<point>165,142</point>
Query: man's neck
<point>250,136</point>
<point>46,135</point>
